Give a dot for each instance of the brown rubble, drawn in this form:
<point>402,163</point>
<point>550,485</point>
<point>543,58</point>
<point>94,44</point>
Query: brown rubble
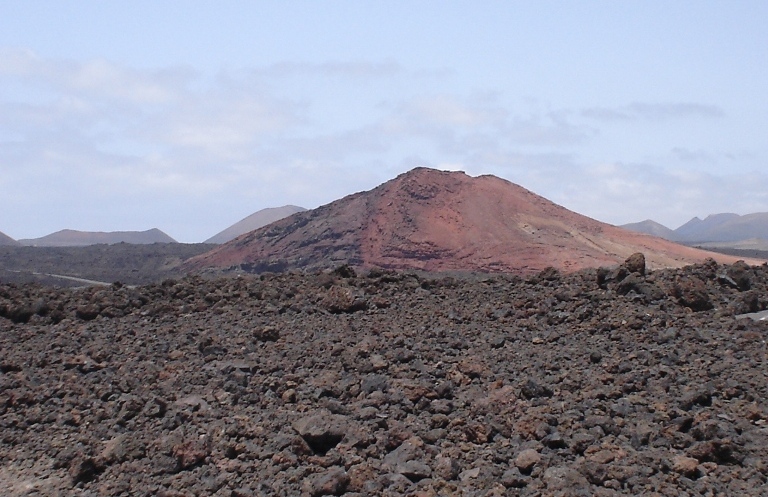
<point>556,384</point>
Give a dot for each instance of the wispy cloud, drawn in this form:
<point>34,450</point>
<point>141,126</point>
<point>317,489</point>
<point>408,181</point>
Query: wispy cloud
<point>450,111</point>
<point>605,114</point>
<point>628,192</point>
<point>696,156</point>
<point>343,69</point>
<point>94,79</point>
<point>675,110</point>
<point>103,143</point>
<point>227,125</point>
<point>465,125</point>
<point>654,112</point>
<point>552,129</point>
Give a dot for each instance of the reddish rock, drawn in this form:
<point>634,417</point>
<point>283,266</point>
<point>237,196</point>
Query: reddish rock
<point>526,460</point>
<point>341,299</point>
<point>692,293</point>
<point>190,453</point>
<point>635,263</point>
<point>332,482</point>
<point>686,466</point>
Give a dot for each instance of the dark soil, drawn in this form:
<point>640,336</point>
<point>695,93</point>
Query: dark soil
<point>603,383</point>
<point>128,263</point>
<point>746,253</point>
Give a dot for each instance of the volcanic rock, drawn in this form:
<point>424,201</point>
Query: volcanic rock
<point>526,460</point>
<point>463,385</point>
<point>332,482</point>
<point>442,221</point>
<point>692,293</point>
<point>635,263</point>
<point>322,431</point>
<point>685,465</point>
<point>130,264</point>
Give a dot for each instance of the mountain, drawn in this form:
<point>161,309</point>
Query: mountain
<point>719,229</point>
<point>697,230</point>
<point>72,238</point>
<point>7,240</point>
<point>725,228</point>
<point>652,228</point>
<point>254,221</point>
<point>442,221</point>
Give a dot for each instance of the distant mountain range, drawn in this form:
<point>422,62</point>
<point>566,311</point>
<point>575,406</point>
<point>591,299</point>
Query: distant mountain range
<point>726,227</point>
<point>254,221</point>
<point>73,238</point>
<point>717,231</point>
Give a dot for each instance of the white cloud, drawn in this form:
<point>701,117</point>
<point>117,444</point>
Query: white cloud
<point>448,111</point>
<point>654,112</point>
<point>20,62</point>
<point>461,127</point>
<point>95,79</point>
<point>224,125</point>
<point>110,144</point>
<point>99,77</point>
<point>658,111</point>
<point>549,130</point>
<point>451,166</point>
<point>342,69</point>
<point>621,193</point>
<point>685,155</point>
<point>604,114</point>
<point>107,121</point>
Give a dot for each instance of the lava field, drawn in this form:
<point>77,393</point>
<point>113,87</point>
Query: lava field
<point>603,382</point>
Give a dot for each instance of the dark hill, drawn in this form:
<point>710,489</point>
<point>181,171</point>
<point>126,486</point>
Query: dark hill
<point>69,266</point>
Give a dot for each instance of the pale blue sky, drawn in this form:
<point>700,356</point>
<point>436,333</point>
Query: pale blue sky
<point>188,116</point>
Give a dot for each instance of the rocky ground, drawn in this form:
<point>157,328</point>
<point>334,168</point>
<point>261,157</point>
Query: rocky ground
<point>604,382</point>
<point>132,264</point>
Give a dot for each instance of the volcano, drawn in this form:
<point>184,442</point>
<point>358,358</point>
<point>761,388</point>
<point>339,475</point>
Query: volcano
<point>443,221</point>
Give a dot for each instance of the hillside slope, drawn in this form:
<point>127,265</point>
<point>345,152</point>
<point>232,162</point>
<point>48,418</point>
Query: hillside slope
<point>254,221</point>
<point>7,240</point>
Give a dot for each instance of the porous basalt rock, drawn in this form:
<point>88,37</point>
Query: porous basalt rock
<point>559,384</point>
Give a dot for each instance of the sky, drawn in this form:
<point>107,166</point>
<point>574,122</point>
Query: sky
<point>188,116</point>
